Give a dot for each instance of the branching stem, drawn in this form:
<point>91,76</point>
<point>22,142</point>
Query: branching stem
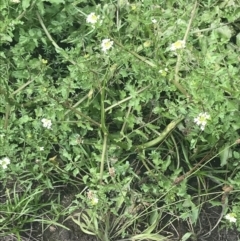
<point>179,56</point>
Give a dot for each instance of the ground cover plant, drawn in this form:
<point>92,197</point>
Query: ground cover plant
<point>121,117</point>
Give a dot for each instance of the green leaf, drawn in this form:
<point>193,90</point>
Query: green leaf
<point>225,154</point>
<point>75,172</point>
<point>5,38</point>
<point>40,7</point>
<point>236,155</point>
<point>25,4</point>
<point>139,132</point>
<point>186,236</point>
<point>56,1</point>
<point>238,40</point>
<point>224,32</point>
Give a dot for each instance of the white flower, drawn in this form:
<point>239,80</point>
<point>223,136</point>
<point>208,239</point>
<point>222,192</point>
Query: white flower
<point>231,217</point>
<point>163,72</point>
<point>15,1</point>
<point>46,123</point>
<point>147,43</point>
<point>92,196</point>
<point>41,148</point>
<point>180,44</point>
<point>106,45</point>
<point>5,162</point>
<point>154,20</point>
<point>92,18</point>
<point>94,201</point>
<point>201,120</point>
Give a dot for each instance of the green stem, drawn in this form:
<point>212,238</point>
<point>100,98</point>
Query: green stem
<point>103,157</point>
<point>22,87</point>
<point>179,56</point>
<point>163,135</point>
<point>175,81</point>
<point>7,113</point>
<point>102,91</point>
<point>57,48</point>
<point>190,21</point>
<point>125,121</point>
<point>126,99</point>
<point>177,152</point>
<point>24,12</point>
<point>66,105</point>
<point>103,127</point>
<point>48,34</point>
<point>135,54</point>
<point>77,104</point>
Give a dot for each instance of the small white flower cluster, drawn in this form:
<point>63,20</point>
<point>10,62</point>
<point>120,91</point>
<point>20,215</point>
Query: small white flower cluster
<point>92,18</point>
<point>15,1</point>
<point>5,162</point>
<point>46,123</point>
<point>94,201</point>
<point>231,217</point>
<point>201,120</point>
<point>180,44</point>
<point>106,45</point>
<point>163,72</point>
<point>154,21</point>
<point>92,197</point>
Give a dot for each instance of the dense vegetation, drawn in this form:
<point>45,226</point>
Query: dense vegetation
<point>131,106</point>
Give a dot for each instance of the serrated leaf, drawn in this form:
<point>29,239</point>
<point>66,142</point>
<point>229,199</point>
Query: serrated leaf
<point>195,214</point>
<point>40,7</point>
<point>141,134</point>
<point>5,37</point>
<point>224,32</point>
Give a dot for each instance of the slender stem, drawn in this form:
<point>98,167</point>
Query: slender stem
<point>102,92</point>
<point>104,129</point>
<point>176,83</point>
<point>210,29</point>
<point>47,33</point>
<point>66,105</point>
<point>190,21</point>
<point>125,121</point>
<point>177,152</point>
<point>206,159</point>
<point>135,54</point>
<point>179,56</point>
<point>126,99</point>
<point>76,104</point>
<point>24,12</point>
<point>7,113</point>
<point>22,87</point>
<point>57,48</point>
<point>103,157</point>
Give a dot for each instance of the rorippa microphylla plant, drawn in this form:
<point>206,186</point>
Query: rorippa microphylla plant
<point>136,102</point>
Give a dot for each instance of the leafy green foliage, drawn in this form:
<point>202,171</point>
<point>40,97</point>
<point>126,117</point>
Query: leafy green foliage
<point>121,117</point>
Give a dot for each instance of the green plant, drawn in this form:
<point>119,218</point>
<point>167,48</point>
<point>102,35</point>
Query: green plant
<point>107,95</point>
